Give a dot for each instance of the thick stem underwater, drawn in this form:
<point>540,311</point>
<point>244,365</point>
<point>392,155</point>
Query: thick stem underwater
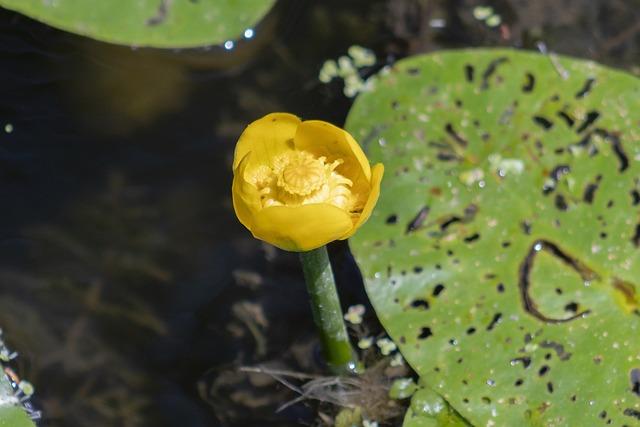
<point>327,313</point>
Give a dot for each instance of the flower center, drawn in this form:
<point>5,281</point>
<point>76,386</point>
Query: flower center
<point>302,174</point>
<point>298,178</point>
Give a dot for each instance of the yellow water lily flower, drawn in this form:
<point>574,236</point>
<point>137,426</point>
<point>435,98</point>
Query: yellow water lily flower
<point>300,185</point>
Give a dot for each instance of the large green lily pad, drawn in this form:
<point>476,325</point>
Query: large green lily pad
<point>504,254</point>
<point>156,23</point>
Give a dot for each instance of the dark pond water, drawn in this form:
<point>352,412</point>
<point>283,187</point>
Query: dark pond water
<point>126,283</point>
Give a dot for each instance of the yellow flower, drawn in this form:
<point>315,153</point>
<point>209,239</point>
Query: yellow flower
<point>300,185</point>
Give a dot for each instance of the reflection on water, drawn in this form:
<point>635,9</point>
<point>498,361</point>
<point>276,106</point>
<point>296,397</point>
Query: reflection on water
<point>126,283</point>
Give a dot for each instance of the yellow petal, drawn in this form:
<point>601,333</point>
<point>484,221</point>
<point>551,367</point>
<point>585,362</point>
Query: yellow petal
<point>324,139</point>
<point>246,199</point>
<point>301,228</point>
<point>376,178</point>
<point>266,138</point>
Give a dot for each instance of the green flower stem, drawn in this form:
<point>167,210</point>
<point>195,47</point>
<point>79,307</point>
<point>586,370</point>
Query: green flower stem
<point>327,313</point>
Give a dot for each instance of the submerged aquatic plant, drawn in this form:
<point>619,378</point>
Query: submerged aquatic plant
<point>349,67</point>
<point>300,185</point>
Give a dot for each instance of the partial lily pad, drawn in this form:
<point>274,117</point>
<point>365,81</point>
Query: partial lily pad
<point>155,23</point>
<point>504,254</point>
<point>429,409</point>
<point>12,414</point>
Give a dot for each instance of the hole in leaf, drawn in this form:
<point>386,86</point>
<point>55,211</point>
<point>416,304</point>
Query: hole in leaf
<point>420,303</point>
<point>543,122</point>
<point>588,84</point>
<point>425,333</point>
<point>567,118</point>
<point>491,69</point>
<point>494,321</point>
<point>591,117</point>
<point>472,238</point>
<point>543,370</point>
<point>616,145</point>
<point>418,220</point>
<point>469,72</point>
<point>525,360</point>
<point>636,236</point>
<point>572,307</point>
<point>630,412</point>
<point>635,381</point>
<point>529,83</point>
<point>560,202</point>
<point>590,190</point>
<point>558,348</point>
<point>455,135</point>
<point>556,173</point>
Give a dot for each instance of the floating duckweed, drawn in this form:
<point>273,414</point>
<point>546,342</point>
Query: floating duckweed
<point>365,343</point>
<point>27,388</point>
<point>354,314</point>
<point>487,14</point>
<point>352,85</point>
<point>482,12</point>
<point>397,360</point>
<point>328,71</point>
<point>6,355</point>
<point>362,57</point>
<point>386,346</point>
<point>347,68</point>
<point>493,21</point>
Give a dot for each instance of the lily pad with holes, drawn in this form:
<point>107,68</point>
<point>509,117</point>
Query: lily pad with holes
<point>504,254</point>
<point>155,23</point>
<point>12,414</point>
